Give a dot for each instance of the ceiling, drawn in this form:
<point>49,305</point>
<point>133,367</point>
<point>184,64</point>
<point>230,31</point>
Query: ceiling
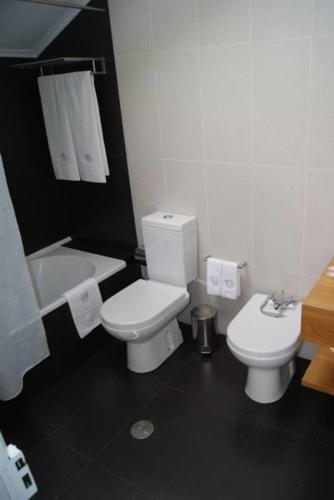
<point>26,29</point>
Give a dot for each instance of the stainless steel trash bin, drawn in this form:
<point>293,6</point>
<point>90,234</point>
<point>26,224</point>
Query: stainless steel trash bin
<point>203,328</point>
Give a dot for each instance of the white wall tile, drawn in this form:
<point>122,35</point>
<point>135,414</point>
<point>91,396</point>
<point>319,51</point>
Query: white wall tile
<point>186,194</point>
<point>174,24</point>
<point>198,296</point>
<point>139,105</point>
<point>319,233</point>
<point>308,350</point>
<point>223,21</point>
<point>272,279</point>
<point>307,283</point>
<point>322,104</point>
<point>226,91</point>
<point>180,104</point>
<point>229,199</point>
<point>280,101</point>
<point>323,23</point>
<point>131,29</point>
<point>147,188</point>
<point>279,198</point>
<point>203,105</point>
<point>276,19</point>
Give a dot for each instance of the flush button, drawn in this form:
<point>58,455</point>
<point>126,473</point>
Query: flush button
<point>168,216</point>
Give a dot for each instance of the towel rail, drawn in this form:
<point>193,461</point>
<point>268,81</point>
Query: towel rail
<point>240,266</point>
<point>68,5</point>
<point>60,61</point>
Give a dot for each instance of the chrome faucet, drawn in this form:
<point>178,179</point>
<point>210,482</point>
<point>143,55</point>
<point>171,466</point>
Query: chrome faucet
<point>279,304</point>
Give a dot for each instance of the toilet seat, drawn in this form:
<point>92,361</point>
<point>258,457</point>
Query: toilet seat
<point>254,334</point>
<point>142,304</point>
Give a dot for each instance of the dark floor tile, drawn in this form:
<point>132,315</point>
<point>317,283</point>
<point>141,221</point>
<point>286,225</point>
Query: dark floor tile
<point>54,466</point>
<point>133,459</point>
<point>97,483</point>
<point>272,465</point>
<point>23,435</point>
<point>95,424</point>
<point>114,355</point>
<point>74,390</point>
<point>219,378</point>
<point>300,410</point>
<point>32,423</point>
<point>189,432</point>
<point>318,479</point>
<point>326,435</point>
<point>144,496</point>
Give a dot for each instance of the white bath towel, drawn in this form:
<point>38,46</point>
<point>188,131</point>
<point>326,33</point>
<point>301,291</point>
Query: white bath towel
<point>231,280</point>
<point>58,128</point>
<point>85,303</point>
<point>214,276</point>
<point>73,125</point>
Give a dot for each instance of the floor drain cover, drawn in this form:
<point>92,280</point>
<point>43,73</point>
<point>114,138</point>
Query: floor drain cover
<point>142,429</point>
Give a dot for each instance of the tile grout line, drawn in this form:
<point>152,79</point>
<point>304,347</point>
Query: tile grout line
<point>303,473</point>
<point>157,95</point>
<point>232,164</point>
<point>307,153</point>
<point>203,127</point>
<point>76,476</point>
<point>217,45</point>
<point>252,145</point>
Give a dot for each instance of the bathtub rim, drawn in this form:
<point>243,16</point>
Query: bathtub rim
<point>104,268</point>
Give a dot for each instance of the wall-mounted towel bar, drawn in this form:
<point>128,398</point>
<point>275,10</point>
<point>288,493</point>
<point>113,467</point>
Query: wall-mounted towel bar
<point>240,266</point>
<point>98,64</point>
<point>69,5</point>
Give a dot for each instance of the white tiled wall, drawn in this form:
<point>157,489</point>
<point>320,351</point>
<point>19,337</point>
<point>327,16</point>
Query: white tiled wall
<point>228,111</point>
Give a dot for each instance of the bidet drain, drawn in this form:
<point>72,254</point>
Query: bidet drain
<point>142,429</point>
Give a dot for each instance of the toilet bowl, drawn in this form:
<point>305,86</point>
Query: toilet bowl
<point>144,316</point>
<point>267,345</point>
<point>144,313</point>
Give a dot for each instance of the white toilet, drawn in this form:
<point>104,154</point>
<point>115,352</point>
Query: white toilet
<point>267,345</point>
<point>144,313</point>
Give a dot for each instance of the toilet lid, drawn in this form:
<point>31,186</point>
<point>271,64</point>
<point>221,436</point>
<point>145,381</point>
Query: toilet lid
<point>252,332</point>
<point>141,304</point>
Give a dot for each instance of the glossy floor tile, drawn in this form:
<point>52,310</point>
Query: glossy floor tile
<point>211,441</point>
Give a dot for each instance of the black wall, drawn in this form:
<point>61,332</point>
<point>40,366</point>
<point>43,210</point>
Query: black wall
<point>48,210</point>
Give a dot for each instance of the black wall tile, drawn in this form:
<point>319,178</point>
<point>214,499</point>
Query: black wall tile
<point>48,210</point>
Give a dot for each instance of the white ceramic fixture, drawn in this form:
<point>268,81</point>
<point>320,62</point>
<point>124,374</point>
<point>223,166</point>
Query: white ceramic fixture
<point>144,313</point>
<point>267,345</point>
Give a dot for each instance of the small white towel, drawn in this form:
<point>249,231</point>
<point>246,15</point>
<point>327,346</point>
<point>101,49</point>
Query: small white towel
<point>214,276</point>
<point>73,126</point>
<point>230,280</point>
<point>85,303</point>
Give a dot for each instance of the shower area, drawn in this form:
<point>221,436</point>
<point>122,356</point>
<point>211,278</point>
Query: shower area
<point>68,231</point>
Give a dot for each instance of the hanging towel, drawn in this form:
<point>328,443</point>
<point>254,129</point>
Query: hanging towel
<point>231,280</point>
<point>85,303</point>
<point>73,126</point>
<point>58,129</point>
<point>214,276</point>
<point>23,341</point>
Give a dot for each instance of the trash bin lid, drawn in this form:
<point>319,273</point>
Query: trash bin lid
<point>204,312</point>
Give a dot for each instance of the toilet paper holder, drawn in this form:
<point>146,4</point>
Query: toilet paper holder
<point>240,266</point>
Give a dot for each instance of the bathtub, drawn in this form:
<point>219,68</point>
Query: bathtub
<point>56,271</point>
